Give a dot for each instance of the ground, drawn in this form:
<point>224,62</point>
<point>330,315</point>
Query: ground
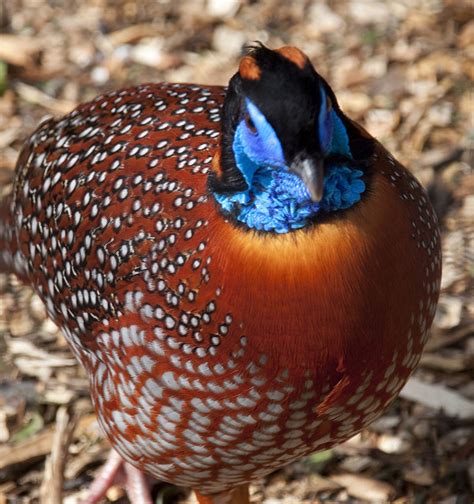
<point>403,68</point>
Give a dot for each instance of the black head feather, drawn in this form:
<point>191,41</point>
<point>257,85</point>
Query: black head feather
<point>286,89</point>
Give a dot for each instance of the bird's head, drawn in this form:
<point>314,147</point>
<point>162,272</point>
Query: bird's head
<point>282,130</point>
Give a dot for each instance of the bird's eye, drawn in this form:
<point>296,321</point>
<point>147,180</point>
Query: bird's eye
<point>250,125</point>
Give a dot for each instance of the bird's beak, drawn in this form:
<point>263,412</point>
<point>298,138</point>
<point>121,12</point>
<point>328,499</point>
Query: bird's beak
<point>311,172</point>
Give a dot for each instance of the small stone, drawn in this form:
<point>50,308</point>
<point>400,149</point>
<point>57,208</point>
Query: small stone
<point>114,493</point>
<point>382,122</point>
<point>149,53</point>
<point>370,12</point>
<point>441,114</point>
<point>222,8</point>
<point>82,55</point>
<point>392,444</point>
<point>229,41</point>
<point>375,67</point>
<point>324,20</point>
<point>100,75</point>
<point>353,102</point>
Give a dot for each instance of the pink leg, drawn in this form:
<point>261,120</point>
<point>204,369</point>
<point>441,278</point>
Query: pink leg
<point>105,479</point>
<point>136,485</point>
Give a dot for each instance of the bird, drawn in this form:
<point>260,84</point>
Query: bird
<point>246,274</point>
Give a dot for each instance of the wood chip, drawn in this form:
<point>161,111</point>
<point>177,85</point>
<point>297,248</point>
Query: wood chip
<point>318,484</point>
<point>362,487</point>
<point>442,339</point>
<point>9,135</point>
<point>131,34</point>
<point>18,346</point>
<point>356,463</point>
<point>18,50</point>
<point>438,397</point>
<point>449,364</point>
<point>423,476</point>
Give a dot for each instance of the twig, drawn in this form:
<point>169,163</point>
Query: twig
<point>52,486</point>
<point>29,450</point>
<point>37,97</point>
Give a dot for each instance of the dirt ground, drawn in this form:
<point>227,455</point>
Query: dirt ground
<point>404,69</point>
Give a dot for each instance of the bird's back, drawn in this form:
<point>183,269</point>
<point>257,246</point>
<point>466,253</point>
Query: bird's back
<point>113,195</point>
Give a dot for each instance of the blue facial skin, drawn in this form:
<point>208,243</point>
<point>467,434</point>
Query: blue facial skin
<point>276,199</point>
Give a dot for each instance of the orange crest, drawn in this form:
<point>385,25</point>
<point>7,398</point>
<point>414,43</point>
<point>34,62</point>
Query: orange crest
<point>293,54</point>
<point>249,68</point>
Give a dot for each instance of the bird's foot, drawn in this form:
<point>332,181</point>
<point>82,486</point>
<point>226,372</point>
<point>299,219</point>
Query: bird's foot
<point>116,470</point>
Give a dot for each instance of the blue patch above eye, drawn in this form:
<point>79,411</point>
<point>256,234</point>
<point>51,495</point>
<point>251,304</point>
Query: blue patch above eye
<point>325,123</point>
<point>262,146</point>
<point>340,138</point>
<point>333,137</point>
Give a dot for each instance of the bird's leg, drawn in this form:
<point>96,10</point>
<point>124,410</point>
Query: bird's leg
<point>116,468</point>
<point>136,485</point>
<point>105,479</point>
<point>239,495</point>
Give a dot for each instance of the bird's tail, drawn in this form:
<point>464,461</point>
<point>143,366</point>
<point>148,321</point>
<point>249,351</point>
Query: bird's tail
<point>239,495</point>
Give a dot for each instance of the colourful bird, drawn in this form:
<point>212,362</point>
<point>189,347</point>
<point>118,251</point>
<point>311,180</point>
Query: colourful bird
<point>246,275</point>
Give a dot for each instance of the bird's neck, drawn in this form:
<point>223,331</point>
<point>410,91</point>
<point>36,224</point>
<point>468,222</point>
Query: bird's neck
<point>276,200</point>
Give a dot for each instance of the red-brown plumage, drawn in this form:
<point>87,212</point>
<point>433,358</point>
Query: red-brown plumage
<point>217,354</point>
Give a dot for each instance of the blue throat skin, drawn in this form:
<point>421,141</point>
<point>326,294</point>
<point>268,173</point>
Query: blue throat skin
<point>277,200</point>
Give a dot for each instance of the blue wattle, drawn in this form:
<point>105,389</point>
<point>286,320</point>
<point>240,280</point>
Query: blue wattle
<point>342,188</point>
<point>277,200</point>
